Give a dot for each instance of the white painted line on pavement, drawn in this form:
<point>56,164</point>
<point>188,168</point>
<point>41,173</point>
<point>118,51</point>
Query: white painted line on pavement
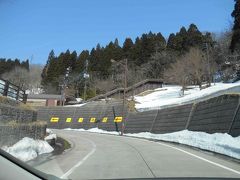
<point>82,161</point>
<point>196,156</point>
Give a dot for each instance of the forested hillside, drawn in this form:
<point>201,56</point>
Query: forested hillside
<point>7,65</point>
<point>148,56</point>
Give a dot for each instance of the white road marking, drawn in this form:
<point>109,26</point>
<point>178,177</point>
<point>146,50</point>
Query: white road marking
<point>65,175</point>
<point>203,159</point>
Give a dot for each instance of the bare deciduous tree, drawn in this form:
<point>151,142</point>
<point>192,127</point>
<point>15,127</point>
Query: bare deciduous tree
<point>18,76</point>
<point>35,71</point>
<point>25,79</point>
<point>104,85</point>
<point>191,68</point>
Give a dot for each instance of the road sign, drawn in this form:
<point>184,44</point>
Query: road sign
<point>54,119</point>
<point>68,120</point>
<point>105,119</point>
<point>80,120</point>
<point>92,120</point>
<point>118,119</point>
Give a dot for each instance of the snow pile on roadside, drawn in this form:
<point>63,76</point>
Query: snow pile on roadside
<point>28,148</point>
<point>221,143</point>
<point>171,95</point>
<point>75,105</point>
<point>49,131</point>
<point>51,135</point>
<point>94,130</point>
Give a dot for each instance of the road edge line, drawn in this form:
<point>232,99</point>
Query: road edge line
<point>65,175</point>
<point>201,158</point>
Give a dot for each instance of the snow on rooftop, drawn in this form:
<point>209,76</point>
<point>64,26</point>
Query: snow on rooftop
<point>172,95</point>
<point>28,148</point>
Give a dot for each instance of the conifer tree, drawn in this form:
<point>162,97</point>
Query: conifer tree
<point>235,43</point>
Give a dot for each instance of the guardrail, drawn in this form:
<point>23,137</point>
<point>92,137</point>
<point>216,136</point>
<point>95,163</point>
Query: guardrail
<point>12,91</point>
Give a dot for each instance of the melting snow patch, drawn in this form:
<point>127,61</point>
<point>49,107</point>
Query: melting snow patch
<point>28,148</point>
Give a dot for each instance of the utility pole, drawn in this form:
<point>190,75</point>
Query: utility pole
<point>85,75</point>
<point>125,65</point>
<point>64,85</point>
<point>208,64</point>
<point>124,94</point>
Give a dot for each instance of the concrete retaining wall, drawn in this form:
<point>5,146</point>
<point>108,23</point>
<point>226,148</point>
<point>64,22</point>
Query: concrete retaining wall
<point>140,121</point>
<point>13,113</point>
<point>214,115</point>
<point>219,114</point>
<point>172,119</point>
<point>98,110</point>
<point>17,122</point>
<point>11,134</point>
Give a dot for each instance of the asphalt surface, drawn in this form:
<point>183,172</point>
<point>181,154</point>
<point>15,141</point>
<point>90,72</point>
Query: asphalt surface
<point>101,156</point>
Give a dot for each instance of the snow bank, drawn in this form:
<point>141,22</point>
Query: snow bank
<point>28,148</point>
<point>76,105</point>
<point>219,142</point>
<point>51,135</point>
<point>171,95</point>
<point>49,131</point>
<point>94,130</point>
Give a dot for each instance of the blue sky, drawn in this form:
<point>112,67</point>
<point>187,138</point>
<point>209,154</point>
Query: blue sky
<point>30,28</point>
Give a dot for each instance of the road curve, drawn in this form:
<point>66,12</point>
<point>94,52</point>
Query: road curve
<point>101,156</point>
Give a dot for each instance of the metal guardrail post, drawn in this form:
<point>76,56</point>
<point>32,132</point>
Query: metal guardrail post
<point>114,115</point>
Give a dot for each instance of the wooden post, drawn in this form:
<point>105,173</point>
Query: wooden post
<point>6,87</point>
<point>124,96</point>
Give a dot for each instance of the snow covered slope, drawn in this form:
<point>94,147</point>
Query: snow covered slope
<point>171,95</point>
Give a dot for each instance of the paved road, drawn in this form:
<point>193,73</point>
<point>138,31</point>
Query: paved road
<point>96,156</point>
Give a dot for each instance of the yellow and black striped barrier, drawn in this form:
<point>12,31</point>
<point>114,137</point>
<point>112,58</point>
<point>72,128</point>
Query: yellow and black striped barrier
<point>92,119</point>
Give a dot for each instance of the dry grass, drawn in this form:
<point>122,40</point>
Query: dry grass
<point>131,106</point>
<point>8,101</point>
<point>26,107</point>
<point>11,102</point>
